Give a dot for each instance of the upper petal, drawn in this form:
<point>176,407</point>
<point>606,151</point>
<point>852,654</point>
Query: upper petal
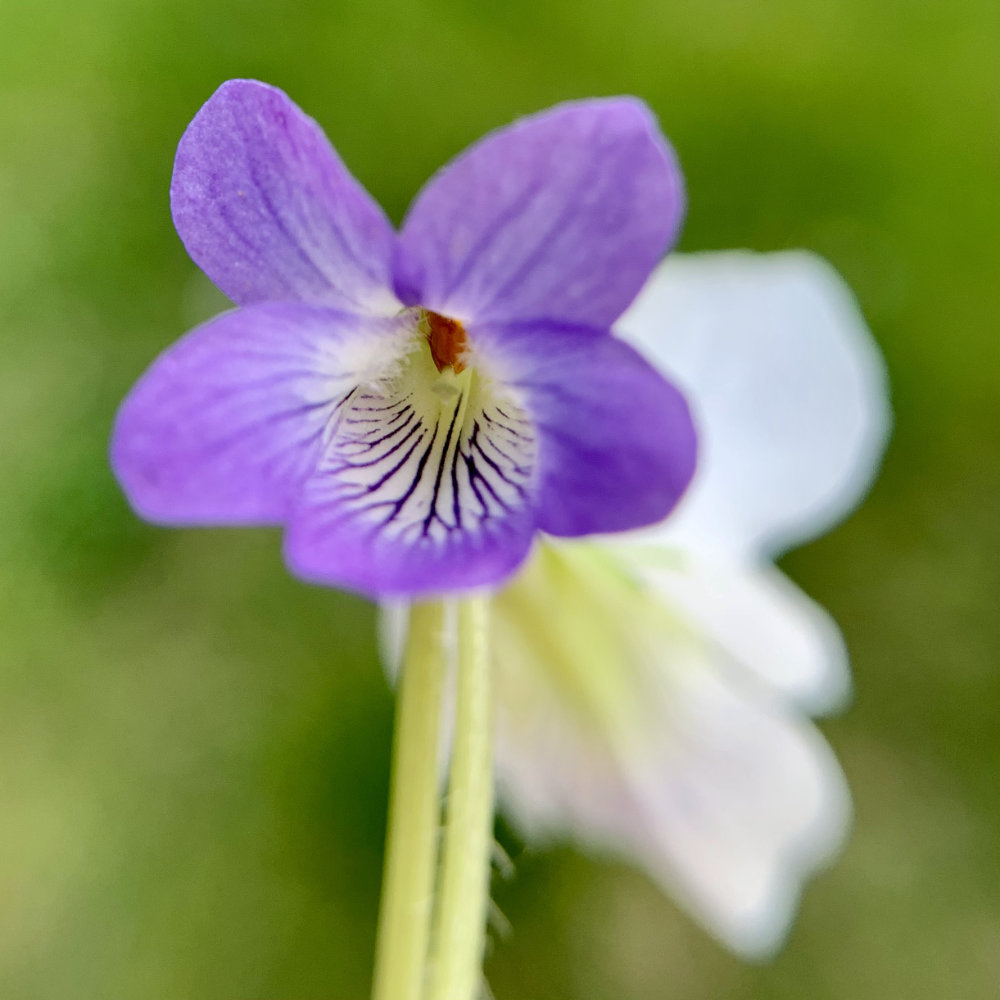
<point>559,216</point>
<point>787,388</point>
<point>227,423</point>
<point>630,734</point>
<point>616,447</point>
<point>268,211</point>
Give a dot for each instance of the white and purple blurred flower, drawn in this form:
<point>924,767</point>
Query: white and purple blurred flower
<point>654,688</point>
<point>416,408</point>
<point>413,408</point>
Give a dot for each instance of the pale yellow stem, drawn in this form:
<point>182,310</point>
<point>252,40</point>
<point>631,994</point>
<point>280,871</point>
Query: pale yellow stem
<point>459,934</point>
<point>414,813</point>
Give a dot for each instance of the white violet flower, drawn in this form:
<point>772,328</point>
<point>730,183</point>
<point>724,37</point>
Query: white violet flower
<point>653,689</point>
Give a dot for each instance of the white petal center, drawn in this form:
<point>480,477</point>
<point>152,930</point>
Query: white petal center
<point>419,453</point>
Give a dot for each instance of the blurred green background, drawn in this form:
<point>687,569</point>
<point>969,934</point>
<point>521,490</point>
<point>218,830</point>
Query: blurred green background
<point>194,746</point>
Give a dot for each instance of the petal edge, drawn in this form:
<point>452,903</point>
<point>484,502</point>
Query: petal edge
<point>788,390</point>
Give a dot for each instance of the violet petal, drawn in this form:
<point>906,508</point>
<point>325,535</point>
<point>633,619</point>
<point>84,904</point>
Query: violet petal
<point>560,216</point>
<point>616,446</point>
<point>227,423</point>
<point>327,543</point>
<point>423,488</point>
<point>268,211</point>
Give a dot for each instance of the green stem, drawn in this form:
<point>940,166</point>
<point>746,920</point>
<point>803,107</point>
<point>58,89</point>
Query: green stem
<point>414,816</point>
<point>463,895</point>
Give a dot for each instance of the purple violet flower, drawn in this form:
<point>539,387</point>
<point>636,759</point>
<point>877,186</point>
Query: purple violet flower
<point>413,407</point>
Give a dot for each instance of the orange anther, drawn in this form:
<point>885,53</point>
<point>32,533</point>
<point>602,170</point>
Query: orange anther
<point>447,341</point>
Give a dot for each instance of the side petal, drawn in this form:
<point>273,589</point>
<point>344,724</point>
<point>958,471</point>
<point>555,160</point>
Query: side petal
<point>757,620</point>
<point>559,216</point>
<point>227,423</point>
<point>630,736</point>
<point>787,388</point>
<point>616,444</point>
<point>268,211</point>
